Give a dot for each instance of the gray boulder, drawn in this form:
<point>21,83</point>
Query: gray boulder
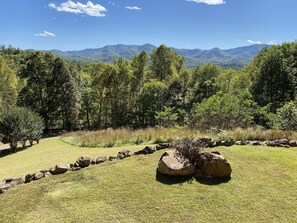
<point>59,169</point>
<point>172,165</point>
<point>83,161</point>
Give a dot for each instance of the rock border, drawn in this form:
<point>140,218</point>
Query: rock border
<point>84,161</point>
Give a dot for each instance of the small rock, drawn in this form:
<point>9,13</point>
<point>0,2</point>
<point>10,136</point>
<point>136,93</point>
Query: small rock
<point>112,158</point>
<point>83,161</point>
<point>124,153</point>
<point>38,176</point>
<point>146,150</point>
<point>255,143</point>
<point>59,169</point>
<point>162,146</point>
<point>29,177</point>
<point>44,171</point>
<point>75,168</point>
<point>293,143</point>
<point>93,162</point>
<point>272,143</point>
<point>101,159</point>
<point>229,142</point>
<point>284,141</point>
<point>15,181</point>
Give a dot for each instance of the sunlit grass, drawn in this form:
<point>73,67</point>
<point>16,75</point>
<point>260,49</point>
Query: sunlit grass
<point>263,188</point>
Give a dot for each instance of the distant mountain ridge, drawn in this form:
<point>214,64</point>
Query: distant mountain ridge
<point>236,57</point>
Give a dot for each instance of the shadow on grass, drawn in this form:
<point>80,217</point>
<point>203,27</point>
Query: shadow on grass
<point>170,180</point>
<point>212,181</point>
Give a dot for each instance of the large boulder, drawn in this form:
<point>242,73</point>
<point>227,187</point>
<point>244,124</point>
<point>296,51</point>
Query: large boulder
<point>173,165</point>
<point>83,161</point>
<point>59,169</point>
<point>213,165</point>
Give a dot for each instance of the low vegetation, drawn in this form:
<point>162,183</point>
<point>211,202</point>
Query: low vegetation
<point>258,133</point>
<point>119,137</point>
<point>262,188</point>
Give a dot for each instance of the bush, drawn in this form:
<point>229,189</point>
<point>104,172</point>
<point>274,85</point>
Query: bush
<point>189,149</point>
<point>225,111</point>
<point>287,117</point>
<point>19,125</point>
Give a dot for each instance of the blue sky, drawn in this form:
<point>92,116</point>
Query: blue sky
<point>204,24</point>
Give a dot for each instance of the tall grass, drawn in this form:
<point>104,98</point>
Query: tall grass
<point>258,133</point>
<point>118,137</point>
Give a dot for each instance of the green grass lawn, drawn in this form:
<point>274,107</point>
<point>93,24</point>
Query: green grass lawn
<point>263,188</point>
<point>47,153</point>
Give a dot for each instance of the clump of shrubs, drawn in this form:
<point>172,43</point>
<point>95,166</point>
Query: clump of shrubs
<point>18,125</point>
<point>188,149</point>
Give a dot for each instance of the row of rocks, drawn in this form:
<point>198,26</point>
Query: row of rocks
<point>208,142</point>
<point>81,162</point>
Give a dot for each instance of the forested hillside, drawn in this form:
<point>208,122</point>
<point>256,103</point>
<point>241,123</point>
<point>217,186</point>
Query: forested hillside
<point>231,58</point>
<point>154,89</point>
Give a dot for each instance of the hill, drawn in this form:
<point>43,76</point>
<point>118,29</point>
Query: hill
<point>236,57</point>
<point>262,188</point>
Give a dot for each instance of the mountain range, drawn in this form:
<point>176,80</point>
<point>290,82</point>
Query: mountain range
<point>236,57</point>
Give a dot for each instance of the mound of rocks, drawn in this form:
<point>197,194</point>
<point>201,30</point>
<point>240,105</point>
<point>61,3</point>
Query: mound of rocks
<point>209,164</point>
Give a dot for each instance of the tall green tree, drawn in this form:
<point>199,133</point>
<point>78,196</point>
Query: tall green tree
<point>165,63</point>
<point>8,84</point>
<point>272,83</point>
<point>63,95</point>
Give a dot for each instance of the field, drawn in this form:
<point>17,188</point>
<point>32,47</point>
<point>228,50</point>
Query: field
<point>263,188</point>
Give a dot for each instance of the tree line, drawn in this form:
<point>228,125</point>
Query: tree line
<point>151,90</point>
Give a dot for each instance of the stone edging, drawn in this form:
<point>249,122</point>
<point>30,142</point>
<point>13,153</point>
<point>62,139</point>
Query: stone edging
<point>80,163</point>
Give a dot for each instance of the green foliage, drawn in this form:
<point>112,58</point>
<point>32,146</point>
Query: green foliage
<point>287,117</point>
<point>273,76</point>
<point>165,63</point>
<point>52,90</point>
<point>19,125</point>
<point>8,84</point>
<point>167,118</point>
<point>224,111</point>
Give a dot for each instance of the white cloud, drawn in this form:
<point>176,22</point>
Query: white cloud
<point>209,2</point>
<point>274,42</point>
<point>45,34</point>
<point>89,8</point>
<point>133,8</point>
<point>254,42</point>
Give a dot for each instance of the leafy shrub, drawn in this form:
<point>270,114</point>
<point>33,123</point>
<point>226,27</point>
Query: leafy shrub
<point>287,117</point>
<point>225,111</point>
<point>19,125</point>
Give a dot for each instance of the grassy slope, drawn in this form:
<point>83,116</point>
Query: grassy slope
<point>263,188</point>
<point>47,153</point>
